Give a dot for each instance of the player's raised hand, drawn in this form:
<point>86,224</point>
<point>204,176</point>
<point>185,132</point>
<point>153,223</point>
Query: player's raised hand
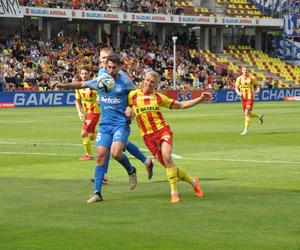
<point>129,113</point>
<point>206,96</point>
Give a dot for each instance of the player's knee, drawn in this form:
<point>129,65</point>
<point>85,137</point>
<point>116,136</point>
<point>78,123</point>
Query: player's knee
<point>116,154</point>
<point>84,134</point>
<point>92,137</point>
<point>100,158</point>
<point>168,161</point>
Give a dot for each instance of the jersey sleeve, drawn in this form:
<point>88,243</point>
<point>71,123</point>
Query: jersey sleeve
<point>92,84</point>
<point>101,71</point>
<point>166,101</point>
<point>130,85</point>
<point>130,96</point>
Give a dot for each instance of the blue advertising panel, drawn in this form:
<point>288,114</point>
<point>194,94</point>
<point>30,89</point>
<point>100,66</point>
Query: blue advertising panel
<point>67,98</point>
<point>264,95</point>
<point>38,99</point>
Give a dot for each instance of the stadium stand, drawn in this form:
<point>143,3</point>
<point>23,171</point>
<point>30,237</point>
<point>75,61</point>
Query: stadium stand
<point>31,64</point>
<point>264,66</point>
<point>141,6</point>
<point>100,5</point>
<point>188,8</point>
<point>185,7</point>
<point>241,8</point>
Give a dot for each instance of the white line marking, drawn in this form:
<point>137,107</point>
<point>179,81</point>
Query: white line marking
<point>41,143</point>
<point>179,158</point>
<point>240,160</point>
<point>24,153</point>
<point>175,156</point>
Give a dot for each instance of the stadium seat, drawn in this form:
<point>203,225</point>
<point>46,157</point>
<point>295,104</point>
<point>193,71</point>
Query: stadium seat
<point>263,62</point>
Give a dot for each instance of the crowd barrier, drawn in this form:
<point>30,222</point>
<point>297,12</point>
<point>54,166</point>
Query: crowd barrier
<point>67,98</point>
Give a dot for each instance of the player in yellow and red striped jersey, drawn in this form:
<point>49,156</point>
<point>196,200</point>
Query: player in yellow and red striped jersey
<point>146,104</point>
<point>87,99</point>
<point>246,87</point>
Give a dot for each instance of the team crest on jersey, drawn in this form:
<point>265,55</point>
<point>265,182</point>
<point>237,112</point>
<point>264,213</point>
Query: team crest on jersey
<point>118,89</point>
<point>146,97</point>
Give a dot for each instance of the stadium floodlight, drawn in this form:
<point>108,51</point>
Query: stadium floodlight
<point>174,38</point>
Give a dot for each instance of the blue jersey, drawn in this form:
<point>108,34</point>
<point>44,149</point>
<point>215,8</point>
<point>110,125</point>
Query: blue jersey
<point>114,103</point>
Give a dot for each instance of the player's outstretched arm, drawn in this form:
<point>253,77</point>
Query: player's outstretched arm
<point>205,97</point>
<point>76,85</point>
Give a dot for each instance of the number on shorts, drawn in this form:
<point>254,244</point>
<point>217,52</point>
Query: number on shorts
<point>98,137</point>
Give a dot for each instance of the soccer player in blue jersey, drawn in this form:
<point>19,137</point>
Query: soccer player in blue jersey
<point>114,125</point>
<point>130,147</point>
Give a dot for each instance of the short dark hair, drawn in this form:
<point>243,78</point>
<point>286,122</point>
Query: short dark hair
<point>114,57</point>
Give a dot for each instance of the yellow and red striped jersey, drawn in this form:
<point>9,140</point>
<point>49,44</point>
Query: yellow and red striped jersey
<point>146,107</point>
<point>246,86</point>
<point>88,98</point>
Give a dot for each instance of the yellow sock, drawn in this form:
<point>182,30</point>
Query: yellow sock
<point>171,174</point>
<point>254,115</point>
<point>87,145</point>
<point>182,175</point>
<point>247,122</point>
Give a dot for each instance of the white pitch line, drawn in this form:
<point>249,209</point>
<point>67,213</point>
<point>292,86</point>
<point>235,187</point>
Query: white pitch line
<point>179,158</point>
<point>25,153</point>
<point>41,143</point>
<point>241,160</point>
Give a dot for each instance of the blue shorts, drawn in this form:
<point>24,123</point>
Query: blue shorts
<point>109,134</point>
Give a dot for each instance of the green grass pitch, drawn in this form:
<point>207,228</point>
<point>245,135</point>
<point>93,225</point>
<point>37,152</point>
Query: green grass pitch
<point>251,183</point>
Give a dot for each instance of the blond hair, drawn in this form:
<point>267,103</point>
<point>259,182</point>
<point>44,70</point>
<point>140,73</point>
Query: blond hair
<point>154,74</point>
<point>106,50</point>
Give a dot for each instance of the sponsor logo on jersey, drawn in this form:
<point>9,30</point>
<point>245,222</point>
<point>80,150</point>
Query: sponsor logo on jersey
<point>110,100</point>
<point>146,109</point>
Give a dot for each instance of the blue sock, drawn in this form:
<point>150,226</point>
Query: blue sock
<point>99,174</point>
<point>106,162</point>
<point>134,150</point>
<point>126,164</point>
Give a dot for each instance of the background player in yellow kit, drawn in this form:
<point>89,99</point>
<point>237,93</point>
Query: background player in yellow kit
<point>157,135</point>
<point>246,87</point>
<point>86,99</point>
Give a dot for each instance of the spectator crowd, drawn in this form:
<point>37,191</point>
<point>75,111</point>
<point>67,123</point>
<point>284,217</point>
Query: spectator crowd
<point>136,6</point>
<point>29,63</point>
